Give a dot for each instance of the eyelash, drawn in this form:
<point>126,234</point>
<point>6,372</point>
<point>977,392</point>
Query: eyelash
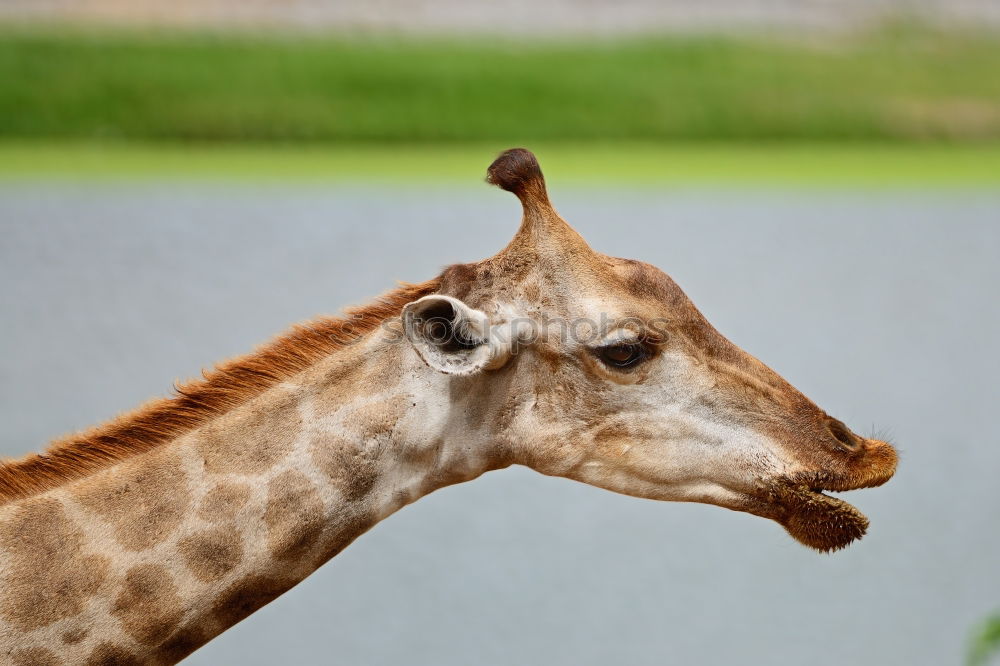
<point>637,353</point>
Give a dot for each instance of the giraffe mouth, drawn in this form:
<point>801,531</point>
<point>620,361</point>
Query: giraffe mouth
<point>803,506</point>
<point>810,514</point>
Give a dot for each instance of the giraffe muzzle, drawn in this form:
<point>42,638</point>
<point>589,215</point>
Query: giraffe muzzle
<point>802,505</point>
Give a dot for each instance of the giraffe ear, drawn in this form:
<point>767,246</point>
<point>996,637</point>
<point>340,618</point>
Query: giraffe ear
<point>451,337</point>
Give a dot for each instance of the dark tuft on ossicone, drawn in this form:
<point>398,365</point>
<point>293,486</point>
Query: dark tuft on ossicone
<point>516,170</point>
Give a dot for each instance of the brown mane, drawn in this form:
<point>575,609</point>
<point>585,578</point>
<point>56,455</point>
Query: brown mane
<point>198,401</point>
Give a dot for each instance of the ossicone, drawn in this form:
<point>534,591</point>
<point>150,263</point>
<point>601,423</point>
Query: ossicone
<point>516,170</point>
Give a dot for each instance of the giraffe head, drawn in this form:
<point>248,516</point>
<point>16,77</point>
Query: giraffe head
<point>601,370</point>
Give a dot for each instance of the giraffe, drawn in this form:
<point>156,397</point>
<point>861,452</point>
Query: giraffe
<point>141,539</point>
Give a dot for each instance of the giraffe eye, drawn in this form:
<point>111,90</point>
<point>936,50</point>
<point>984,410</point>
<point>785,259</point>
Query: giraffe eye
<point>623,355</point>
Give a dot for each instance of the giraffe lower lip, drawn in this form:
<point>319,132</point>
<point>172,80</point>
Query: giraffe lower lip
<point>813,517</point>
<point>823,522</point>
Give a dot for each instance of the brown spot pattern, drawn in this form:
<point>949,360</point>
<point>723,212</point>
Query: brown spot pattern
<point>251,442</point>
<point>351,378</point>
<point>352,469</point>
<point>35,657</point>
<point>144,499</point>
<point>294,515</point>
<point>74,635</point>
<point>50,576</point>
<point>352,466</point>
<point>106,654</point>
<point>223,502</point>
<point>185,640</point>
<point>147,604</point>
<point>379,417</point>
<point>246,596</point>
<point>336,541</point>
<point>211,554</point>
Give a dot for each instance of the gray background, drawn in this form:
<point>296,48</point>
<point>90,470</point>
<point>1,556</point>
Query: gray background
<point>880,306</point>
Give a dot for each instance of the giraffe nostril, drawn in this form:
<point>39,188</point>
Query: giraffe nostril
<point>843,435</point>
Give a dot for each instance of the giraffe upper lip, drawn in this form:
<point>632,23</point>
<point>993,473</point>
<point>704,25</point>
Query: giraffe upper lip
<point>875,465</point>
<point>866,478</point>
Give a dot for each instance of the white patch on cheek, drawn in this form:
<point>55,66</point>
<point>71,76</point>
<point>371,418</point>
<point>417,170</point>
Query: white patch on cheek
<point>679,448</point>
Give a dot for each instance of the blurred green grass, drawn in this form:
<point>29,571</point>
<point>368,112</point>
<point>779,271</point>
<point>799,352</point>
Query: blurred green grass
<point>903,84</point>
<point>902,105</point>
<point>985,642</point>
<point>585,164</point>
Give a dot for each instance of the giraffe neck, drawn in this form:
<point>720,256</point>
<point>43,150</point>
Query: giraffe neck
<point>158,554</point>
